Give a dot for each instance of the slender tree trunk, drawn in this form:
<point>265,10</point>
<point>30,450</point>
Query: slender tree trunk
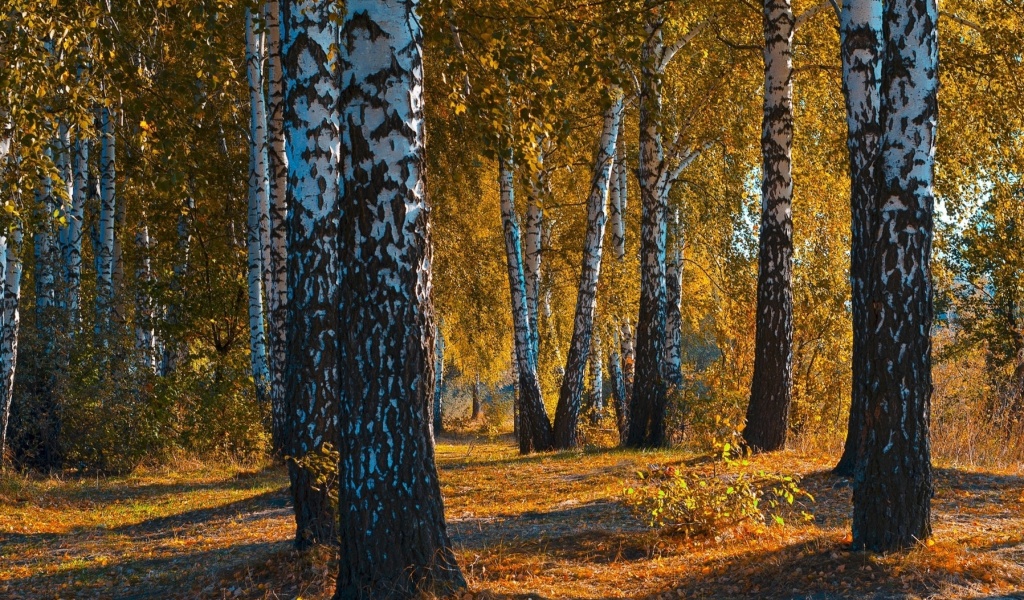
<point>310,70</point>
<point>892,486</point>
<point>534,233</point>
<point>535,433</point>
<point>257,245</point>
<point>570,396</point>
<point>9,328</point>
<point>771,387</point>
<point>673,314</point>
<point>861,40</point>
<point>105,237</point>
<point>618,381</point>
<point>46,254</point>
<point>596,382</point>
<point>437,422</point>
<point>175,350</point>
<point>617,206</point>
<point>70,233</point>
<point>394,541</point>
<point>277,309</point>
<point>477,409</point>
<point>647,404</point>
<point>145,317</point>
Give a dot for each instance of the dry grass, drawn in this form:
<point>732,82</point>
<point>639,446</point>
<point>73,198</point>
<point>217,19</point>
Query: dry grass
<point>547,526</point>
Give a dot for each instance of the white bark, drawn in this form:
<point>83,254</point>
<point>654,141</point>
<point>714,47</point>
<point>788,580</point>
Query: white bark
<point>105,237</point>
<point>258,228</point>
<point>9,327</point>
<point>145,317</point>
<point>534,233</point>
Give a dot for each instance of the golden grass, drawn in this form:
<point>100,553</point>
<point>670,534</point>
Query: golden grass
<point>546,526</point>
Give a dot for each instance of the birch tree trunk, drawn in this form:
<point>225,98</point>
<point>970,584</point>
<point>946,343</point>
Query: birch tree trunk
<point>46,254</point>
<point>860,32</point>
<point>70,234</point>
<point>618,381</point>
<point>394,541</point>
<point>647,404</point>
<point>175,351</point>
<point>673,311</point>
<point>570,396</point>
<point>596,382</point>
<point>145,317</point>
<point>105,226</point>
<point>617,207</point>
<point>257,244</point>
<point>312,126</point>
<point>9,328</point>
<point>768,411</point>
<point>437,422</point>
<point>534,234</point>
<point>535,433</point>
<point>892,485</point>
<point>277,308</point>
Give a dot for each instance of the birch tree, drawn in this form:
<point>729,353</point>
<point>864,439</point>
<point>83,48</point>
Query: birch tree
<point>892,486</point>
<point>312,130</point>
<point>535,432</point>
<point>105,227</point>
<point>570,397</point>
<point>657,173</point>
<point>771,387</point>
<point>10,326</point>
<point>277,307</point>
<point>257,246</point>
<point>861,48</point>
<point>394,541</point>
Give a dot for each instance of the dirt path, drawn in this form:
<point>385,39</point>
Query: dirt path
<point>541,527</point>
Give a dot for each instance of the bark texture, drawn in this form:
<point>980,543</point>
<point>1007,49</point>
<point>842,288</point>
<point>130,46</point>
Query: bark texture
<point>771,386</point>
<point>314,145</point>
<point>892,486</point>
<point>860,30</point>
<point>570,396</point>
<point>394,541</point>
<point>535,432</point>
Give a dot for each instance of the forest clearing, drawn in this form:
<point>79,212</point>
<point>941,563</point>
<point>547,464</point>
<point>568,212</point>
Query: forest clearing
<point>546,526</point>
<point>531,299</point>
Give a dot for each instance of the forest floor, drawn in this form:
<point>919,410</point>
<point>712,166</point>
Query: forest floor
<point>545,526</point>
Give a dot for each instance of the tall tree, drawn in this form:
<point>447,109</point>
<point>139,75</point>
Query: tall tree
<point>771,386</point>
<point>257,247</point>
<point>394,541</point>
<point>673,295</point>
<point>570,397</point>
<point>860,32</point>
<point>657,173</point>
<point>9,327</point>
<point>892,486</point>
<point>535,432</point>
<point>312,126</point>
<point>108,209</point>
<point>277,307</point>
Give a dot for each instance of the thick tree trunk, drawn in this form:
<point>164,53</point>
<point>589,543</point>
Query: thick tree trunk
<point>394,542</point>
<point>277,308</point>
<point>570,396</point>
<point>9,329</point>
<point>770,389</point>
<point>105,237</point>
<point>647,404</point>
<point>861,41</point>
<point>892,486</point>
<point>310,70</point>
<point>257,244</point>
<point>535,433</point>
